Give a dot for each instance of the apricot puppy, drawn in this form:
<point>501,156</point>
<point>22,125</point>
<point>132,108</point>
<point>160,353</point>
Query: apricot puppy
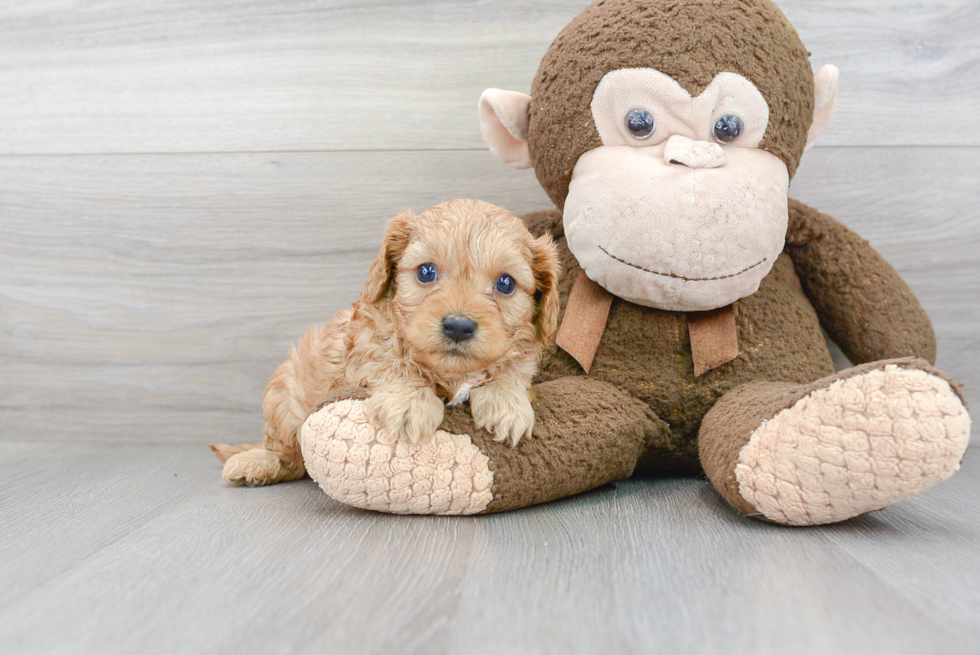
<point>459,304</point>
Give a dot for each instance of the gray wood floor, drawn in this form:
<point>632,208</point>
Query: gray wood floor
<point>126,548</point>
<point>185,187</point>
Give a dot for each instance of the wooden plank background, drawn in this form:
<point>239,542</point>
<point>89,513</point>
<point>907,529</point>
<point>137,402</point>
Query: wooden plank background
<point>185,187</point>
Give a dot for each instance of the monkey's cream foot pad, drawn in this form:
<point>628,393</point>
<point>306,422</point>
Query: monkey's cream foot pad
<point>360,465</point>
<point>857,445</point>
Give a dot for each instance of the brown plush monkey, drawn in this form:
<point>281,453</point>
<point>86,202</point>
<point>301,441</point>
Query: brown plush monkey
<point>694,290</point>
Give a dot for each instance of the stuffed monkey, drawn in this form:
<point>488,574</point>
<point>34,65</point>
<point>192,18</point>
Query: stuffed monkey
<point>693,293</point>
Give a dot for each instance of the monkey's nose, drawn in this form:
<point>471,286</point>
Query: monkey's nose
<point>693,154</point>
<point>458,327</point>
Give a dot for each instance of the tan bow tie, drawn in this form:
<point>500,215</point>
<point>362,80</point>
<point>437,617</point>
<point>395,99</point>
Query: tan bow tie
<point>714,334</point>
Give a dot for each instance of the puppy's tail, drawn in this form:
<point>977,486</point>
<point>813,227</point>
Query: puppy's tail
<point>223,451</point>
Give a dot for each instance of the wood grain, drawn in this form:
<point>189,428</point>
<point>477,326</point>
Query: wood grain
<point>137,301</point>
<point>219,76</point>
<point>143,298</point>
<point>185,187</point>
<point>140,548</point>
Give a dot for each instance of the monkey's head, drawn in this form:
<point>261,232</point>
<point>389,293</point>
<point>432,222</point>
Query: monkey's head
<point>667,132</point>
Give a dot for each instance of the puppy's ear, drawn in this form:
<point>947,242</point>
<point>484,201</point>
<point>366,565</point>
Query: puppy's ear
<point>544,263</point>
<point>398,232</point>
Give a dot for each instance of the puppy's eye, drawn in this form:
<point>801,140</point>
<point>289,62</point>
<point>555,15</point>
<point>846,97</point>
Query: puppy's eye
<point>426,273</point>
<point>727,128</point>
<point>505,285</point>
<point>640,123</point>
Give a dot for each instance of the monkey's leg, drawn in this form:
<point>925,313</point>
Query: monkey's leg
<point>586,434</point>
<point>851,443</point>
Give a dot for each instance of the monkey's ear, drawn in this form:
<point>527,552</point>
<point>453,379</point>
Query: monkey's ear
<point>398,233</point>
<point>504,120</point>
<point>825,96</point>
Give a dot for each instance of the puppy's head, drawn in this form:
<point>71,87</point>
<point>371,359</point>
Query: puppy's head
<point>466,285</point>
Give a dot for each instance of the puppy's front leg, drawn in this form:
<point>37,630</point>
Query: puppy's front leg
<point>504,410</point>
<point>407,410</point>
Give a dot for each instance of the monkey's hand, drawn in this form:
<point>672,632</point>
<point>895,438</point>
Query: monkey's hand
<point>410,412</point>
<point>503,411</point>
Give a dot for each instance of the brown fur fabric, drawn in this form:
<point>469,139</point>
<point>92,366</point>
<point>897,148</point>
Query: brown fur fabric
<point>647,351</point>
<point>728,426</point>
<point>865,306</point>
<point>572,449</point>
<point>691,41</point>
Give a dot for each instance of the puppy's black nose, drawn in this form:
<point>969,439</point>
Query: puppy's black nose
<point>458,327</point>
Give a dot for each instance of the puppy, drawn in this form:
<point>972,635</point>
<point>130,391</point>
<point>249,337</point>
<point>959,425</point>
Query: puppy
<point>459,304</point>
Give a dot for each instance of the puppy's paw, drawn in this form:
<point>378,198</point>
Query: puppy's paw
<point>258,467</point>
<point>505,414</point>
<point>408,413</point>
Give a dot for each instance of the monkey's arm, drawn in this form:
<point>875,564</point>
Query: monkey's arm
<point>863,304</point>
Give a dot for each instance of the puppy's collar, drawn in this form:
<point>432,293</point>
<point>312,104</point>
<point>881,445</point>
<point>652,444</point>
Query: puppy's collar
<point>714,334</point>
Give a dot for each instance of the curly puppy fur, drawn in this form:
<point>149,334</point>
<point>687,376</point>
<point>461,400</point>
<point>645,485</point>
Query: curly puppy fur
<point>393,341</point>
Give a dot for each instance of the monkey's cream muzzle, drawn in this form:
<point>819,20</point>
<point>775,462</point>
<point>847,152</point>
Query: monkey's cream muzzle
<point>687,236</point>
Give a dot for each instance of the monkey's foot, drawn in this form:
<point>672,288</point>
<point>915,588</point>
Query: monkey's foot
<point>587,434</point>
<point>359,464</point>
<point>852,443</point>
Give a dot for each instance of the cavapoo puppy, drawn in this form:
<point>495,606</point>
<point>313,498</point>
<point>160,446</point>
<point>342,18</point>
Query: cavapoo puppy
<point>458,305</point>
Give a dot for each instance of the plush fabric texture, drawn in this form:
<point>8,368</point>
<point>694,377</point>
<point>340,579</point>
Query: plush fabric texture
<point>362,466</point>
<point>692,42</point>
<point>647,352</point>
<point>463,470</point>
<point>714,338</point>
<point>504,123</point>
<point>586,313</point>
<point>825,84</point>
<point>729,425</point>
<point>865,306</point>
<point>836,448</point>
<point>586,434</point>
<point>694,154</point>
<point>675,238</point>
<point>859,445</point>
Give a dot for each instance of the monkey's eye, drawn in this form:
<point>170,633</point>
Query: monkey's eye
<point>641,123</point>
<point>426,273</point>
<point>505,285</point>
<point>727,128</point>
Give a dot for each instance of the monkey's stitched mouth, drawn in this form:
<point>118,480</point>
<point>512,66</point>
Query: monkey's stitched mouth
<point>681,277</point>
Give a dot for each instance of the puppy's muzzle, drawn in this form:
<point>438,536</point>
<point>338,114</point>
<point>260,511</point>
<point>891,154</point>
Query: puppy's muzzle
<point>458,328</point>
